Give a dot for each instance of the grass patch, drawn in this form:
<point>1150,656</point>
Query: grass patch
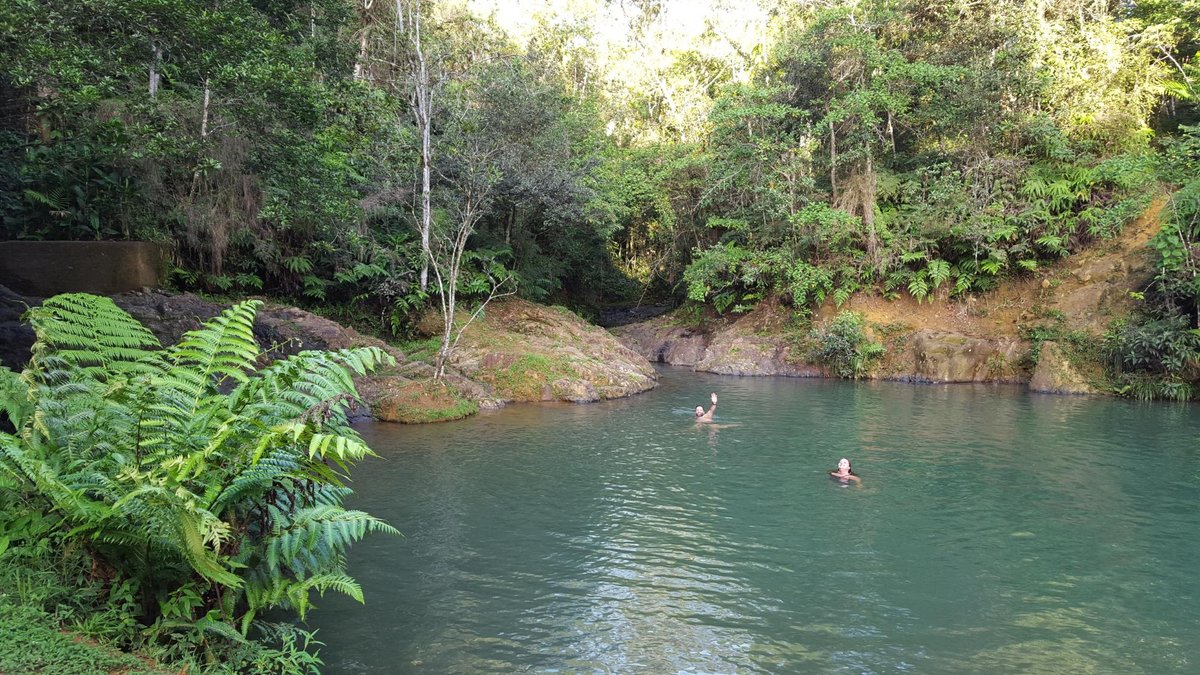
<point>32,642</point>
<point>425,401</point>
<point>421,350</point>
<point>525,378</point>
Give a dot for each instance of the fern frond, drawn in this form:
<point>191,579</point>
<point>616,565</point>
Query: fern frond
<point>224,347</point>
<point>342,448</point>
<point>91,334</point>
<point>306,379</point>
<point>72,504</point>
<point>16,401</point>
<point>312,541</point>
<point>255,479</point>
<point>198,529</point>
<point>209,624</point>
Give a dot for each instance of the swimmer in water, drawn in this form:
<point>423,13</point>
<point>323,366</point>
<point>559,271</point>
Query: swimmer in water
<point>844,472</point>
<point>702,416</point>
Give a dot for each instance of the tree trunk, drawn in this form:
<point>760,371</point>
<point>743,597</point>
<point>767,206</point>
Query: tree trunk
<point>204,111</point>
<point>867,197</point>
<point>155,76</point>
<point>832,163</point>
<point>422,107</point>
<point>364,39</point>
<point>203,135</point>
<point>426,208</point>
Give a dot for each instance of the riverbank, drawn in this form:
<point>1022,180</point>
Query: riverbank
<point>1043,330</point>
<point>516,351</point>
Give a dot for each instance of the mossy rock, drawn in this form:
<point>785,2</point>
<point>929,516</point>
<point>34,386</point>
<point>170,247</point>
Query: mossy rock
<point>1058,373</point>
<point>421,401</point>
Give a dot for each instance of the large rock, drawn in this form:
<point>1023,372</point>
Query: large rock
<point>941,356</point>
<point>1056,374</point>
<point>528,352</point>
<point>751,344</point>
<point>733,353</point>
<point>396,398</point>
<point>16,337</point>
<point>280,330</point>
<point>283,331</point>
<point>401,393</point>
<point>661,341</point>
<point>762,343</point>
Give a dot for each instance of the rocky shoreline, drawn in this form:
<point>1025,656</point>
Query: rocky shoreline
<point>516,352</point>
<point>519,351</point>
<point>741,347</point>
<point>1018,333</point>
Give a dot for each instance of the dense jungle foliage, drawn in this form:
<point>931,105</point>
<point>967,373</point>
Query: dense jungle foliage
<point>367,157</point>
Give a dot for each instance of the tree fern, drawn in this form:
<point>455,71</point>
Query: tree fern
<point>190,467</point>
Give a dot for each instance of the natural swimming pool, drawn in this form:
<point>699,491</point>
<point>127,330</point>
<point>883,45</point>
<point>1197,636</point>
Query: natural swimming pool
<point>995,531</point>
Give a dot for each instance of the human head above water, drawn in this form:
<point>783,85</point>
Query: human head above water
<point>844,464</point>
<point>699,411</point>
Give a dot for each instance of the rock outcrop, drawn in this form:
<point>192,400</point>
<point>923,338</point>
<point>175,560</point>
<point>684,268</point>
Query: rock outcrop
<point>753,344</point>
<point>660,341</point>
<point>1055,373</point>
<point>528,352</point>
<point>748,346</point>
<point>942,356</point>
<point>280,331</point>
<point>518,352</point>
<point>734,353</point>
<point>16,337</point>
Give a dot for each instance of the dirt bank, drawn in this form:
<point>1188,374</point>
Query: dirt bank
<point>982,337</point>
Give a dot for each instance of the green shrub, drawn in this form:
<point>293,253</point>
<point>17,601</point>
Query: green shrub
<point>1154,358</point>
<point>716,273</point>
<point>843,345</point>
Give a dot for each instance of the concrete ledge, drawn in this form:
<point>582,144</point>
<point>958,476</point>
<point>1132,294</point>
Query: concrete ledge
<point>45,268</point>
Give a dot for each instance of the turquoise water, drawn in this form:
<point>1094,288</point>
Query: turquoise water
<point>994,531</point>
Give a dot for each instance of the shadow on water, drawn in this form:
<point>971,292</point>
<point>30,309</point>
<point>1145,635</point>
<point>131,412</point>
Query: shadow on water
<point>994,531</point>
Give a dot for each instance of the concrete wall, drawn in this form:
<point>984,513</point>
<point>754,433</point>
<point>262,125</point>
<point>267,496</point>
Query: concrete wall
<point>45,268</point>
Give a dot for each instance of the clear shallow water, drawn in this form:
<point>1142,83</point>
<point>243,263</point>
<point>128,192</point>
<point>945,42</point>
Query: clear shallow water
<point>995,531</point>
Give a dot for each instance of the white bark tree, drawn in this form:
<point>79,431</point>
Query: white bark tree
<point>421,93</point>
<point>468,191</point>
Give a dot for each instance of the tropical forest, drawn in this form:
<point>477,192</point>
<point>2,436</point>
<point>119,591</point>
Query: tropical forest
<point>465,336</point>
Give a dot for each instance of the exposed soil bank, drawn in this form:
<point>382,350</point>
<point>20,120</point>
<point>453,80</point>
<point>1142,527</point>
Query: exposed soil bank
<point>976,338</point>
